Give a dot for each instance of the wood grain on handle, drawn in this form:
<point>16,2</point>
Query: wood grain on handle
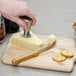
<point>22,58</point>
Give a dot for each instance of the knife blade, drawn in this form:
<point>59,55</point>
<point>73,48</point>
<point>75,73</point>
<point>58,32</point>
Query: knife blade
<point>26,33</point>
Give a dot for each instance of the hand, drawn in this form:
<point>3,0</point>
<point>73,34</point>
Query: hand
<point>13,9</point>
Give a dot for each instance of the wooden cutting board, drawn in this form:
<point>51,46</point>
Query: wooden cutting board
<point>44,60</point>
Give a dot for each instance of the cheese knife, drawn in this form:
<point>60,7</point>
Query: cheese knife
<point>26,33</point>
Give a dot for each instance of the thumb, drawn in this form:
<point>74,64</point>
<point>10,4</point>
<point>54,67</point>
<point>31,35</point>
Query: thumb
<point>21,23</point>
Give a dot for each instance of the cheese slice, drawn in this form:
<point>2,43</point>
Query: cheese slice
<point>32,43</point>
<point>51,39</point>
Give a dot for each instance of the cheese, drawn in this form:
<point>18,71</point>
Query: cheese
<point>51,39</point>
<point>32,43</point>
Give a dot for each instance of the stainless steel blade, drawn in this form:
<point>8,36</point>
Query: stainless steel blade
<point>26,33</point>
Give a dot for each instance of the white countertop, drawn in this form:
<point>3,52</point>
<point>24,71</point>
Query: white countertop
<point>53,17</point>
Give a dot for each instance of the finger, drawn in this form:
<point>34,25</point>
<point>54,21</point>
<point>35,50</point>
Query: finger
<point>32,16</point>
<point>21,23</point>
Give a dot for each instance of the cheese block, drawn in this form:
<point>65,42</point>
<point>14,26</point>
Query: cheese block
<point>32,43</point>
<point>51,39</point>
